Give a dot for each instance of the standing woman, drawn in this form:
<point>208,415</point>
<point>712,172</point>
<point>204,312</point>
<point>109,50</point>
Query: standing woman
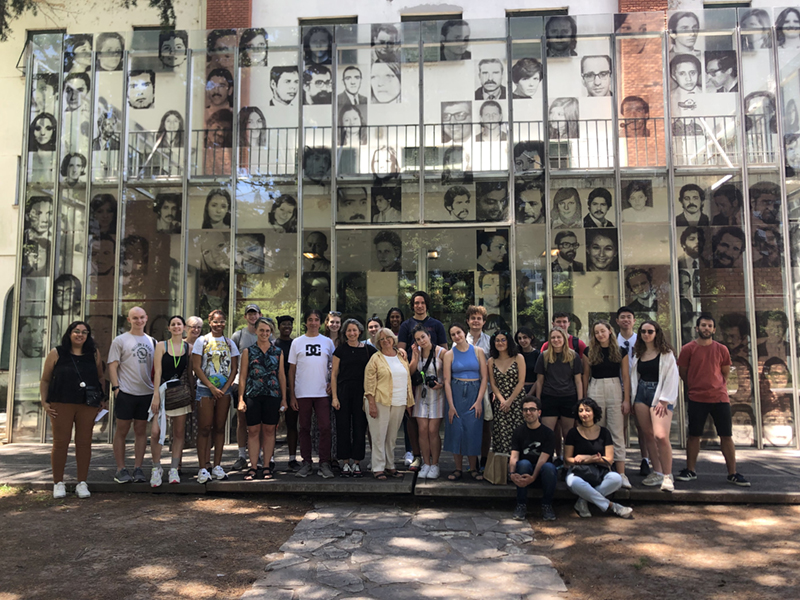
<point>654,376</point>
<point>263,396</point>
<point>601,382</point>
<point>194,327</point>
<point>70,371</point>
<point>464,384</point>
<point>374,325</point>
<point>215,360</point>
<point>394,318</point>
<point>588,451</point>
<point>350,361</point>
<point>429,399</point>
<point>527,348</point>
<point>507,377</point>
<point>559,382</point>
<point>171,371</point>
<point>387,387</point>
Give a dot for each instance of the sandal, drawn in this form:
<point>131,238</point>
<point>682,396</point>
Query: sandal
<point>455,475</point>
<point>268,473</point>
<point>380,475</point>
<point>394,474</point>
<point>250,475</point>
<point>476,476</point>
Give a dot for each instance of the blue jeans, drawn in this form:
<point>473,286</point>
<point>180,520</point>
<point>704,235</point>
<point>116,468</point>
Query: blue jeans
<point>548,476</point>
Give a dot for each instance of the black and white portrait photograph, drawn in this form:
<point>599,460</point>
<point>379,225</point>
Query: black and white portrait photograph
<point>386,204</point>
<point>172,45</point>
<point>684,29</point>
<point>727,246</point>
<point>791,145</point>
<point>134,263</point>
<point>103,215</point>
<point>598,205</point>
<point>283,214</point>
<point>491,201</point>
<point>167,207</point>
<point>220,46</point>
<point>566,245</point>
<point>492,248</point>
<point>217,209</point>
<point>773,327</point>
<point>767,247</point>
<point>456,166</point>
<point>32,337</point>
<point>492,126</point>
<point>77,88</point>
<point>141,89</point>
<point>73,169</point>
<point>722,72</point>
<point>563,116</point>
<point>455,41</point>
<point>526,74</point>
<point>77,53</point>
<point>685,82</point>
<point>252,131</point>
<point>110,48</point>
<point>109,127</point>
<point>38,219</point>
<point>214,247</point>
<point>388,251</point>
<point>218,134</point>
<point>596,75</point>
<point>352,125</point>
<point>317,164</point>
<point>253,48</point>
<point>352,205</point>
<point>690,208</point>
<point>352,80</point>
<point>566,209</point>
<point>317,85</point>
<point>250,253</point>
<point>602,251</point>
<point>634,117</point>
<point>315,246</point>
<point>765,203</point>
<point>760,119</point>
<point>384,164</point>
<point>640,292</point>
<point>629,26</point>
<point>42,134</point>
<point>755,24</point>
<point>456,122</point>
<point>693,248</point>
<point>384,80</point>
<point>219,89</point>
<point>490,76</point>
<point>67,296</point>
<point>459,204</point>
<point>316,291</point>
<point>561,32</point>
<point>44,93</point>
<point>727,204</point>
<point>102,250</point>
<point>284,82</point>
<point>529,202</point>
<point>317,46</point>
<point>528,157</point>
<point>637,201</point>
<point>385,40</point>
<point>493,292</point>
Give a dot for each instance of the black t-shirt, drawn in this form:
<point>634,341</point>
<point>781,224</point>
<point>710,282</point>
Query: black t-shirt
<point>352,362</point>
<point>530,365</point>
<point>168,368</point>
<point>435,331</point>
<point>648,369</point>
<point>285,346</point>
<point>530,443</point>
<point>583,446</point>
<point>608,369</point>
<point>559,377</point>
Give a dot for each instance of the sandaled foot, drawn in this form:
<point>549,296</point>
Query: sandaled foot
<point>455,475</point>
<point>268,473</point>
<point>250,475</point>
<point>394,474</point>
<point>380,475</point>
<point>476,475</point>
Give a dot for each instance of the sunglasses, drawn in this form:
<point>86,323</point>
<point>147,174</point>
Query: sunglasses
<point>335,313</point>
<point>648,331</point>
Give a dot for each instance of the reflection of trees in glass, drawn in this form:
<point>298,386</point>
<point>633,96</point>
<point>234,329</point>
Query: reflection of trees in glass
<point>269,292</point>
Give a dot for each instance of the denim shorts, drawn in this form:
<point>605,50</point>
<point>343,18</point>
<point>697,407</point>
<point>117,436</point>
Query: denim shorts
<point>646,392</point>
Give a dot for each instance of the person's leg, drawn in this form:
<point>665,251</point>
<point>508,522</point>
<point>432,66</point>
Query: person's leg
<point>406,436</point>
<point>205,424</point>
<point>268,440</point>
<point>254,443</point>
<point>580,488</point>
<point>305,406</point>
<point>615,421</point>
<point>395,422</point>
<point>379,426</point>
<point>646,439</point>
<point>322,408</point>
<point>291,432</point>
<point>139,442</point>
<point>221,408</point>
<point>697,412</point>
<point>344,420</point>
<point>242,433</point>
<point>644,449</point>
<point>155,447</point>
<point>121,433</point>
<point>62,434</point>
<point>524,467</point>
<point>486,441</point>
<point>692,450</point>
<point>84,427</point>
<point>413,435</point>
<point>178,434</point>
<point>661,456</point>
<point>610,484</point>
<point>721,413</point>
<point>359,420</point>
<point>434,441</point>
<point>548,475</point>
<point>424,440</point>
<point>729,452</point>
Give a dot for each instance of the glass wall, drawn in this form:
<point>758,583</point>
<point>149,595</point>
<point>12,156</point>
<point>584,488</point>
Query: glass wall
<point>529,165</point>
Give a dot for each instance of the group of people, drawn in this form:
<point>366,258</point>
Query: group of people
<point>508,407</point>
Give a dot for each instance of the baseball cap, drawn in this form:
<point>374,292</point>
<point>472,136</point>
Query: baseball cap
<point>283,318</point>
<point>252,307</point>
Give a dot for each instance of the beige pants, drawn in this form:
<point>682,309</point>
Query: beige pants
<point>383,431</point>
<point>608,395</point>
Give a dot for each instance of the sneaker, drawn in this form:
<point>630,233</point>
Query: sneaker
<point>686,475</point>
<point>305,470</point>
<point>346,470</point>
<point>174,476</point>
<point>294,465</point>
<point>626,484</point>
<point>423,472</point>
<point>218,473</point>
<point>138,475</point>
<point>325,471</point>
<point>155,477</point>
<point>82,490</point>
<point>520,512</point>
<point>582,508</point>
<point>123,476</point>
<point>644,468</point>
<point>653,479</point>
<point>738,479</point>
<point>203,476</point>
<point>623,512</point>
<point>434,472</point>
<point>59,490</point>
<point>240,464</point>
<point>667,485</point>
<point>409,458</point>
<point>548,514</point>
<point>416,464</point>
<point>357,471</point>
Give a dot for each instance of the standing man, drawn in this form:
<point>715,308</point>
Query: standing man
<point>284,342</point>
<point>309,357</point>
<point>531,452</point>
<point>704,366</point>
<point>476,319</point>
<point>130,362</point>
<point>243,338</point>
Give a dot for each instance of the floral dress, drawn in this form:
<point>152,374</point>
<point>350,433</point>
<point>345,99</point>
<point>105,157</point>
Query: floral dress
<point>504,423</point>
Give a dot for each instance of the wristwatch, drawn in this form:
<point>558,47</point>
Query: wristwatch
<point>114,388</point>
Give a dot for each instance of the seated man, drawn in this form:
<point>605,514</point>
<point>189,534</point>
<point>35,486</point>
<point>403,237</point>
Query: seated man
<point>531,452</point>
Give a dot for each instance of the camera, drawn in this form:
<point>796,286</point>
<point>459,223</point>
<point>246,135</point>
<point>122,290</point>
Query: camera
<point>430,381</point>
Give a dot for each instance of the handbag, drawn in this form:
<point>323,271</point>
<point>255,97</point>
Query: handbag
<point>496,470</point>
<point>92,395</point>
<point>592,474</point>
<point>178,392</point>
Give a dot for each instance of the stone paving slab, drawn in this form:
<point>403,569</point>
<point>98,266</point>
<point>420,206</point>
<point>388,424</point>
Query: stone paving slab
<point>348,551</point>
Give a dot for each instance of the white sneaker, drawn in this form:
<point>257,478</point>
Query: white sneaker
<point>582,508</point>
<point>423,472</point>
<point>155,477</point>
<point>409,458</point>
<point>668,485</point>
<point>434,472</point>
<point>203,476</point>
<point>59,490</point>
<point>218,473</point>
<point>82,490</point>
<point>626,485</point>
<point>621,511</point>
<point>653,479</point>
<point>174,476</point>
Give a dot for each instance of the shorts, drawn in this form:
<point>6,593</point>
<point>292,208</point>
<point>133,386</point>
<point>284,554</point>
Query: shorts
<point>264,410</point>
<point>646,393</point>
<point>698,413</point>
<point>129,407</point>
<point>559,406</point>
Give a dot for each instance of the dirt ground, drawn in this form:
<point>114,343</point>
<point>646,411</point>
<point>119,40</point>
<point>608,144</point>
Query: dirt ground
<point>140,546</point>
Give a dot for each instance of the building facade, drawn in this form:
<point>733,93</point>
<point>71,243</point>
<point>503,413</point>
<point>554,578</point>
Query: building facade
<point>530,164</point>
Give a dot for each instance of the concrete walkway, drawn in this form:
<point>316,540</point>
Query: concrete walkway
<point>346,550</point>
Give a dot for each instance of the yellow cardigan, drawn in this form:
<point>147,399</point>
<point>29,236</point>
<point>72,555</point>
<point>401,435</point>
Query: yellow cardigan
<point>378,380</point>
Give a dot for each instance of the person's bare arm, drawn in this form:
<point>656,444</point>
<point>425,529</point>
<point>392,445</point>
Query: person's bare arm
<point>626,386</point>
<point>281,381</point>
<point>242,405</point>
<point>587,375</point>
<point>155,405</point>
<point>293,398</point>
<point>684,374</point>
<point>44,383</point>
<point>334,380</point>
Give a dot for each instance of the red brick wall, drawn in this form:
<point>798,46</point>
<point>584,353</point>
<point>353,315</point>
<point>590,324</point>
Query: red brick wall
<point>642,5</point>
<point>222,14</point>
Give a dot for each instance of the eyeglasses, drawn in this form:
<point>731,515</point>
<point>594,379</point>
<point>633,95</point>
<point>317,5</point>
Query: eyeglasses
<point>533,409</point>
<point>459,116</point>
<point>591,76</point>
<point>567,245</point>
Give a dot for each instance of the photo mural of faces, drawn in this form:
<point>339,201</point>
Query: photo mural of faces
<point>492,248</point>
<point>37,236</point>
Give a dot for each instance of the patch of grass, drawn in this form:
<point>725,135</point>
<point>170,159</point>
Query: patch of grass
<point>641,563</point>
<point>8,490</point>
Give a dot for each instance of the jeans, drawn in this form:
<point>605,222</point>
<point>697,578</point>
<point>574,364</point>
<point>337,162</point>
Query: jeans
<point>597,496</point>
<point>548,476</point>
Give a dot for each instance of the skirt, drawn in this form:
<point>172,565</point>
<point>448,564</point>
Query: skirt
<point>464,435</point>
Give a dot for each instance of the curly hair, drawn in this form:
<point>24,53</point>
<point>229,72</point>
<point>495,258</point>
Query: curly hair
<point>595,354</point>
<point>660,341</point>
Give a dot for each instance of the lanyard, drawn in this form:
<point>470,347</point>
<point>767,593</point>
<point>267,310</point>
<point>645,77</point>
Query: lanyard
<point>176,360</point>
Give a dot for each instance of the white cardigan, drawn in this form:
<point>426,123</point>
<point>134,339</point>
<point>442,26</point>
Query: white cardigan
<point>668,379</point>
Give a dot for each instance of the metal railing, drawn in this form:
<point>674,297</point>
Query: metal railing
<point>641,142</point>
<point>581,144</point>
<point>151,157</point>
<point>705,141</point>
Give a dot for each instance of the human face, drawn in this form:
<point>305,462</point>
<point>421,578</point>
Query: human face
<point>598,208</point>
<point>254,121</point>
<point>559,33</point>
<point>319,42</point>
<point>585,415</point>
<point>173,52</point>
<point>625,321</point>
<point>457,39</point>
<point>490,292</point>
<point>352,333</point>
<point>104,216</point>
<point>215,253</point>
<point>497,250</point>
<point>561,323</point>
<point>637,113</point>
<point>524,342</point>
<point>218,91</point>
<point>74,170</point>
<point>351,118</point>
<point>385,84</point>
<point>83,55</point>
<point>283,213</point>
<point>529,85</point>
<point>420,308</point>
<point>39,217</point>
<point>685,284</point>
<point>387,254</point>
<point>319,292</point>
<point>687,29</point>
<point>334,324</point>
<point>316,244</point>
<point>63,297</point>
<point>353,206</point>
<point>385,343</point>
<point>778,376</point>
<point>692,245</point>
<point>287,87</point>
<point>456,121</point>
<point>313,324</point>
<point>716,76</point>
<point>530,413</point>
<point>491,116</point>
<point>285,329</point>
<point>43,131</point>
<point>793,154</point>
<point>501,343</point>
<point>493,205</point>
<point>602,253</point>
<point>791,23</point>
<point>602,334</point>
<point>352,81</point>
<point>491,76</point>
<point>251,316</point>
<point>731,338</point>
<point>634,23</point>
<point>568,248</point>
<point>223,51</point>
<point>373,327</point>
<point>457,335</point>
<point>32,336</point>
<point>690,200</point>
<point>256,50</point>
<point>638,200</point>
<point>766,207</point>
<point>141,92</point>
<point>527,161</point>
<point>103,256</point>
<point>557,341</point>
<point>462,208</point>
<point>176,327</point>
<point>395,320</point>
<point>384,161</point>
<point>110,53</point>
<point>137,318</point>
<point>640,285</point>
<point>217,209</point>
<point>558,117</point>
<point>596,74</point>
<point>169,214</point>
<point>476,320</point>
<point>42,97</point>
<point>75,92</point>
<point>774,330</point>
<point>568,208</point>
<point>531,204</point>
<point>78,335</point>
<point>318,166</point>
<point>648,333</point>
<point>724,206</point>
<point>381,203</point>
<point>422,339</point>
<point>706,329</point>
<point>217,325</point>
<point>728,250</point>
<point>319,88</point>
<point>263,331</point>
<point>385,45</point>
<point>685,75</point>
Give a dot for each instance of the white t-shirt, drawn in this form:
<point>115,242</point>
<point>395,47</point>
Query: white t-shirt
<point>217,354</point>
<point>631,343</point>
<point>134,355</point>
<point>399,381</point>
<point>311,355</point>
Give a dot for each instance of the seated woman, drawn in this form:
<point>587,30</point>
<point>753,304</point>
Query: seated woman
<point>590,445</point>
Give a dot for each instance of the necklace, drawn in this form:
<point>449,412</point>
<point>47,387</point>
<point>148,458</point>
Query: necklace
<point>175,359</point>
